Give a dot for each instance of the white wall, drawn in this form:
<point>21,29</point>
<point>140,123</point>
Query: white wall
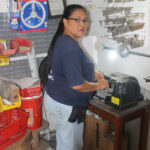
<point>137,66</point>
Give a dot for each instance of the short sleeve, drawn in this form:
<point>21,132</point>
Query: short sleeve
<point>72,65</point>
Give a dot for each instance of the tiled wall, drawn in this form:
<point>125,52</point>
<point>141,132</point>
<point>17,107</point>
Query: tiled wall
<point>40,40</point>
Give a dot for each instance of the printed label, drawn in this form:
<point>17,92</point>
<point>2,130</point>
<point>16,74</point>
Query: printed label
<point>115,100</point>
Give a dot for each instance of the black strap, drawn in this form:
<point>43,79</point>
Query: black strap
<point>77,114</point>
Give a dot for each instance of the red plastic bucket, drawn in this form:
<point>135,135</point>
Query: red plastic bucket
<point>33,105</point>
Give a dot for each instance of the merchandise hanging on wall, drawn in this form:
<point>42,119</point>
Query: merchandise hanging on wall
<point>33,15</point>
<point>125,22</point>
<point>28,15</point>
<point>4,61</point>
<point>56,8</point>
<point>125,26</point>
<point>13,15</point>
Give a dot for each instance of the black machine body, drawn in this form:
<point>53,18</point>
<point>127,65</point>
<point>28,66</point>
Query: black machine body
<point>125,91</point>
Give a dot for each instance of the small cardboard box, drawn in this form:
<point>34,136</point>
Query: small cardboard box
<point>29,86</point>
<point>9,90</point>
<point>13,92</point>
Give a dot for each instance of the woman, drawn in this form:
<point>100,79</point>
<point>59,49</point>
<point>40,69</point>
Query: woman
<point>71,79</point>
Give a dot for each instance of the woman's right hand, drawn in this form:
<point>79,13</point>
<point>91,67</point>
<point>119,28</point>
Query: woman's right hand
<point>102,84</point>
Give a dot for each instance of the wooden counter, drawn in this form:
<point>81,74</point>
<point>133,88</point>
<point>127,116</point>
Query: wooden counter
<point>119,118</point>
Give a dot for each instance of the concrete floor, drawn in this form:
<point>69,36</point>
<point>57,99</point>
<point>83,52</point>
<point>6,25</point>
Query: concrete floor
<point>52,142</point>
<point>44,145</point>
<point>49,148</point>
<point>27,143</point>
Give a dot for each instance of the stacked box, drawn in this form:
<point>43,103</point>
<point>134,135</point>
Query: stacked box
<point>98,134</point>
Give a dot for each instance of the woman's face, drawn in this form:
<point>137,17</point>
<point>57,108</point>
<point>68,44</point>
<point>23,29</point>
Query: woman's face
<point>76,24</point>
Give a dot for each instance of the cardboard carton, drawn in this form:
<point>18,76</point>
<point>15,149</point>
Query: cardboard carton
<point>9,90</point>
<point>94,132</point>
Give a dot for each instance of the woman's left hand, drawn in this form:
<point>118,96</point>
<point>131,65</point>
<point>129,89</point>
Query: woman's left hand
<point>98,75</point>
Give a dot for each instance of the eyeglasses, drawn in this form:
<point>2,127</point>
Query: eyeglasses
<point>86,21</point>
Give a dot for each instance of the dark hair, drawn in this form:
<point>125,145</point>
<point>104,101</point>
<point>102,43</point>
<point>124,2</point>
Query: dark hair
<point>46,67</point>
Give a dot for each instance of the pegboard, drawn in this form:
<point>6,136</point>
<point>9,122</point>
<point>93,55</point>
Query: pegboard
<point>16,69</point>
<point>41,41</point>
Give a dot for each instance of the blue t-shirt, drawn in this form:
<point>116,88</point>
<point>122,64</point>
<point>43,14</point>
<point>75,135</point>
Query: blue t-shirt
<point>70,67</point>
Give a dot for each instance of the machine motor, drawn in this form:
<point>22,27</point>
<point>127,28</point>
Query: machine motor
<point>125,91</point>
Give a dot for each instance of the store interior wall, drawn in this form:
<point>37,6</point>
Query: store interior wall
<point>133,65</point>
<point>19,66</point>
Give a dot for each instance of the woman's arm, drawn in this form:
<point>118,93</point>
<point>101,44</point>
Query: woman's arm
<point>101,84</point>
